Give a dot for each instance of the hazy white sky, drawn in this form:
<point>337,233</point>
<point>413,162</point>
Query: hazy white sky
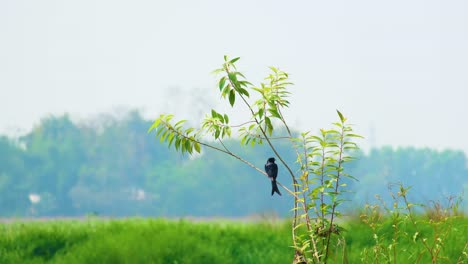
<point>399,68</point>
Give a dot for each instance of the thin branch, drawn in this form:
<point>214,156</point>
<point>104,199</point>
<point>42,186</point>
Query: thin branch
<point>305,170</point>
<point>271,138</point>
<point>226,152</point>
<point>279,157</point>
<point>296,198</point>
<point>261,129</point>
<point>245,123</point>
<point>224,146</point>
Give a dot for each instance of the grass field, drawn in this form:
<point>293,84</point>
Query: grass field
<point>170,241</point>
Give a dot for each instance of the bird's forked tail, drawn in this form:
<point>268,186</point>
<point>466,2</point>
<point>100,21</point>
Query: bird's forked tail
<point>274,188</point>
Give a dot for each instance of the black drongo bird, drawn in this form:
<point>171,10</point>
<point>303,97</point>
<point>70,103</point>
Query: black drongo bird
<point>272,170</point>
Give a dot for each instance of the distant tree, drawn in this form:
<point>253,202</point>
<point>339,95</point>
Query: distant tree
<point>13,181</point>
<point>57,155</point>
<point>433,174</point>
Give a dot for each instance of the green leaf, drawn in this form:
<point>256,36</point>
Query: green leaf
<point>244,140</point>
<point>159,131</point>
<point>354,135</point>
<point>217,71</point>
<point>180,123</point>
<point>244,92</point>
<point>169,117</point>
<point>232,97</point>
<point>171,139</point>
<point>222,81</point>
<point>274,112</point>
<point>332,131</point>
<point>163,137</point>
<point>232,76</point>
<point>197,147</point>
<point>188,146</point>
<point>189,130</point>
<point>177,144</point>
<point>234,60</point>
<point>341,116</point>
<point>269,126</point>
<point>220,117</point>
<point>242,75</point>
<point>154,125</point>
<point>258,90</point>
<point>226,90</point>
<point>260,113</point>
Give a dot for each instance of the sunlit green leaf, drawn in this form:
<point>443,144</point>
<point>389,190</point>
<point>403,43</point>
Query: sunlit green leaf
<point>189,130</point>
<point>179,123</point>
<point>154,125</point>
<point>354,135</point>
<point>234,60</point>
<point>269,126</point>
<point>341,116</point>
<point>170,139</point>
<point>163,136</point>
<point>197,147</point>
<point>222,81</point>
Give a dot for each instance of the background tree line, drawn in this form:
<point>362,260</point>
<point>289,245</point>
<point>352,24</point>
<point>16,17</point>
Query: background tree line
<point>112,167</point>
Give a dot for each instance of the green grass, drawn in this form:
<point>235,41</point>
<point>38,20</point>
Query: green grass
<point>143,241</point>
<point>165,241</point>
<point>401,242</point>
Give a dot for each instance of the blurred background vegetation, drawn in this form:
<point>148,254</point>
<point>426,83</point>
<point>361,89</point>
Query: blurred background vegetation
<point>110,166</point>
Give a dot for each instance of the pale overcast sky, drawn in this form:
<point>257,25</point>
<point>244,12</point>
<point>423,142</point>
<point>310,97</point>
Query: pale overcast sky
<point>398,68</point>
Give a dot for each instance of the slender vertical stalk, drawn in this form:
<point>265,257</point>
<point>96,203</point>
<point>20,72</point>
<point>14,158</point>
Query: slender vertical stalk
<point>338,174</point>
<point>293,177</point>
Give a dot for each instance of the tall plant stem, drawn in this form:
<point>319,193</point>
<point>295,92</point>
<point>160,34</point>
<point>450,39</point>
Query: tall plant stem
<point>337,184</point>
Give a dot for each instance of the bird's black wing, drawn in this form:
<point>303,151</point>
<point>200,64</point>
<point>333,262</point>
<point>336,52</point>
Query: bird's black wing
<point>272,170</point>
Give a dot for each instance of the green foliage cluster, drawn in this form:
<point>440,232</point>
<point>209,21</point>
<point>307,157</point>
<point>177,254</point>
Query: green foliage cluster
<point>165,241</point>
<point>320,186</point>
<point>323,157</point>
